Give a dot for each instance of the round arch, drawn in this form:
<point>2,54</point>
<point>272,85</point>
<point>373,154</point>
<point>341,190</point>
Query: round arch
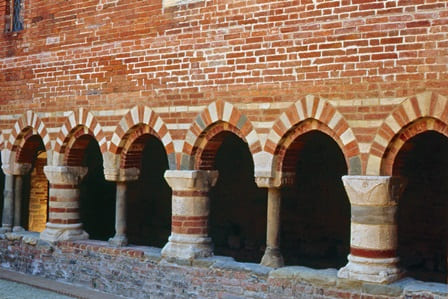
<point>28,125</point>
<point>308,114</point>
<point>421,125</point>
<point>138,121</point>
<point>413,114</point>
<point>78,123</point>
<point>217,117</point>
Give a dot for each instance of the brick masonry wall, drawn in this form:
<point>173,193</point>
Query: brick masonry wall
<point>139,272</point>
<point>369,67</point>
<point>364,56</point>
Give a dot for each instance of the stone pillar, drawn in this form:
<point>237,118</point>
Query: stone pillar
<point>121,177</point>
<point>190,209</point>
<point>8,203</point>
<point>64,220</point>
<point>373,244</point>
<point>272,256</point>
<point>120,238</point>
<point>12,196</point>
<point>18,198</point>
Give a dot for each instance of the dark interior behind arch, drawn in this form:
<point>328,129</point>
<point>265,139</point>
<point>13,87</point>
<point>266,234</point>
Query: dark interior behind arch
<point>315,215</point>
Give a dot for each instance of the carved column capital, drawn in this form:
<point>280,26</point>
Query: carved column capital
<point>70,175</point>
<point>281,179</point>
<point>185,180</point>
<point>121,175</point>
<point>17,168</point>
<point>373,190</point>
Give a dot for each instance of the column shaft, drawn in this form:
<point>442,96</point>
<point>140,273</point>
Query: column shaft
<point>272,256</point>
<point>8,203</point>
<point>18,198</point>
<point>120,238</point>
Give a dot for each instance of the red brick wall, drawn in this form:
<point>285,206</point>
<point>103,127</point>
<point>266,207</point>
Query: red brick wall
<point>79,54</point>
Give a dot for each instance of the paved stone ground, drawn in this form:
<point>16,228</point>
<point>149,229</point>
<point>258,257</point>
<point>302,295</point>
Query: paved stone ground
<point>15,285</point>
<point>14,290</point>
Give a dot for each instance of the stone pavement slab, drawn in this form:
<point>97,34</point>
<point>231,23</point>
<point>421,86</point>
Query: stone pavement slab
<point>30,285</point>
<point>15,290</point>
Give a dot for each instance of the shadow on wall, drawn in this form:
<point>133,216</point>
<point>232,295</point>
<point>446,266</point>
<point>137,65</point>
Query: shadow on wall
<point>315,216</point>
<point>423,207</point>
<point>237,206</point>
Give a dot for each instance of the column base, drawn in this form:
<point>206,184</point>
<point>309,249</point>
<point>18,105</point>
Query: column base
<point>272,258</point>
<point>63,232</point>
<point>371,269</point>
<point>118,241</point>
<point>18,229</point>
<point>188,247</point>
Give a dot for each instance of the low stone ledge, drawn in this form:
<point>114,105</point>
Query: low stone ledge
<point>411,286</point>
<point>232,265</point>
<point>325,277</point>
<point>391,290</point>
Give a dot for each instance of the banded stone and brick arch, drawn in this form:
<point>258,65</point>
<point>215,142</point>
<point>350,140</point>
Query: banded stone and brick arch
<point>424,112</point>
<point>198,152</point>
<point>310,114</point>
<point>28,127</point>
<point>140,121</point>
<point>68,149</point>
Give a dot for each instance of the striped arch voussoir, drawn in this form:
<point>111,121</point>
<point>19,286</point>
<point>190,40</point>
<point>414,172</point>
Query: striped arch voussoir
<point>28,120</point>
<point>220,111</point>
<point>141,115</point>
<point>424,106</point>
<point>312,108</point>
<point>79,118</point>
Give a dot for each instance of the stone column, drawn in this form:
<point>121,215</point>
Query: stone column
<point>120,238</point>
<point>64,220</point>
<point>12,196</point>
<point>373,244</point>
<point>190,209</point>
<point>272,256</point>
<point>121,177</point>
<point>8,203</point>
<point>18,198</point>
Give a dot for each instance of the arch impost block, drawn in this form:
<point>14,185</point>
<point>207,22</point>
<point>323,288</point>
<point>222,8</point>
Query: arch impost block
<point>121,175</point>
<point>373,190</point>
<point>281,179</point>
<point>65,174</point>
<point>17,168</point>
<point>191,180</point>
